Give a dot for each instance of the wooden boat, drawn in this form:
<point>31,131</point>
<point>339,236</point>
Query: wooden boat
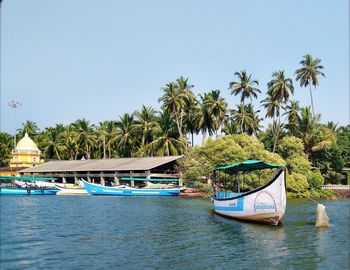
<point>123,190</point>
<point>29,191</point>
<point>25,185</point>
<point>265,204</point>
<point>70,189</point>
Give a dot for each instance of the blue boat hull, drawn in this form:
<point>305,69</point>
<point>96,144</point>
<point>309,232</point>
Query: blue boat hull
<point>23,191</point>
<point>114,191</point>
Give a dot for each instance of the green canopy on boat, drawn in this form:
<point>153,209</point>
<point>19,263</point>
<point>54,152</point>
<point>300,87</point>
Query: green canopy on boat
<point>150,179</point>
<point>26,178</point>
<point>247,166</point>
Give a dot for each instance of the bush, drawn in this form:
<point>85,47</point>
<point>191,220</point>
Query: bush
<point>297,182</point>
<point>315,180</point>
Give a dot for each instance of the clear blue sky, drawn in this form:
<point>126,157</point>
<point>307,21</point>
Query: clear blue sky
<point>66,60</point>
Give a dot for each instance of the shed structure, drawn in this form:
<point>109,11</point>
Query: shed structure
<point>102,170</point>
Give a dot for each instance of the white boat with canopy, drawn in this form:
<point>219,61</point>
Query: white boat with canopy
<point>266,204</point>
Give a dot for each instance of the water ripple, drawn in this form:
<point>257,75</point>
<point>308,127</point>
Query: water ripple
<point>56,232</point>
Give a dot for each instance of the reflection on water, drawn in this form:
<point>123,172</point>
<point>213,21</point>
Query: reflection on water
<point>94,232</point>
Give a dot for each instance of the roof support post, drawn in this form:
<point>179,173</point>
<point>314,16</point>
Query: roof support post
<point>181,181</point>
<point>102,181</point>
<point>64,180</point>
<point>116,180</point>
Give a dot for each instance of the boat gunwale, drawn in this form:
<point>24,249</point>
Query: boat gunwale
<point>255,190</point>
<point>128,188</point>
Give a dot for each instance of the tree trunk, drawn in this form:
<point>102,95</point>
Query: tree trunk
<point>312,102</point>
<point>192,139</point>
<point>278,130</point>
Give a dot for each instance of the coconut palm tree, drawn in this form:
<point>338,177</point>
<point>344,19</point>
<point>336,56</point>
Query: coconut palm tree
<point>279,90</point>
<point>292,112</point>
<point>217,107</point>
<point>174,99</point>
<point>145,124</point>
<point>255,126</point>
<point>315,136</point>
<point>308,74</point>
<point>127,143</point>
<point>242,117</point>
<point>29,127</point>
<point>51,142</point>
<point>86,137</point>
<point>107,133</point>
<point>191,117</point>
<point>167,141</point>
<point>70,141</point>
<point>6,145</point>
<point>205,118</point>
<point>245,86</point>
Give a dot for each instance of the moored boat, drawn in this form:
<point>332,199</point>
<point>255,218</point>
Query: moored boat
<point>96,189</point>
<point>25,185</point>
<point>266,204</point>
<point>70,189</point>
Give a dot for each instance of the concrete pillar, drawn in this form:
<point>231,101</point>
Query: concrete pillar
<point>181,182</point>
<point>64,180</point>
<point>132,183</point>
<point>89,179</point>
<point>75,180</point>
<point>102,181</point>
<point>116,180</point>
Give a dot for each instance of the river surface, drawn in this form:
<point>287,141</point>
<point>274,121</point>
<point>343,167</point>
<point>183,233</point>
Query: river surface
<point>92,232</point>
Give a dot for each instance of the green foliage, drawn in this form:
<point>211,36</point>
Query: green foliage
<point>315,180</point>
<point>6,145</point>
<point>201,161</point>
<point>297,183</point>
<point>291,146</point>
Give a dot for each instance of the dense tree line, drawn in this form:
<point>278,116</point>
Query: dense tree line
<point>170,131</point>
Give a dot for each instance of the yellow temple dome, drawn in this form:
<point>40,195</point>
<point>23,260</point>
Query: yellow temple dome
<point>27,144</point>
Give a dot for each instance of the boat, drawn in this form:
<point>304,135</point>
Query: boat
<point>266,204</point>
<point>25,185</point>
<point>71,189</point>
<point>123,190</point>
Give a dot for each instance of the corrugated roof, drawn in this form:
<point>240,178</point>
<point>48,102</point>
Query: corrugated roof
<point>117,164</point>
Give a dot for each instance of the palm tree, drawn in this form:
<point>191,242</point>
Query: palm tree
<point>86,137</point>
<point>292,110</point>
<point>145,124</point>
<point>6,145</point>
<point>205,118</point>
<point>332,126</point>
<point>245,86</point>
<point>191,117</point>
<point>70,141</point>
<point>51,142</point>
<point>217,107</point>
<point>279,90</point>
<point>174,99</point>
<point>126,141</point>
<point>29,127</point>
<point>314,135</point>
<point>255,126</point>
<point>167,141</point>
<point>308,74</point>
<point>242,117</point>
<point>107,131</point>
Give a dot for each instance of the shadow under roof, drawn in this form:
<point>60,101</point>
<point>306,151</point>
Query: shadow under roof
<point>116,164</point>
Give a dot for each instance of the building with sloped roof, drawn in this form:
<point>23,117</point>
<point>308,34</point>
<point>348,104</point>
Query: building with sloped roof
<point>102,170</point>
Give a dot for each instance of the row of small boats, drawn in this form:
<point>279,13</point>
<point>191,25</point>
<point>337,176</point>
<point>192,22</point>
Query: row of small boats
<point>265,204</point>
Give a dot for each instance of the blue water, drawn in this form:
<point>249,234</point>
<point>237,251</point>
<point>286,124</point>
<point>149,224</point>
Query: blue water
<point>91,232</point>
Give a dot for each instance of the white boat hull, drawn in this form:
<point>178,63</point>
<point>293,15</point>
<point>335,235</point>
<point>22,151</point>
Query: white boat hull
<point>266,204</point>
